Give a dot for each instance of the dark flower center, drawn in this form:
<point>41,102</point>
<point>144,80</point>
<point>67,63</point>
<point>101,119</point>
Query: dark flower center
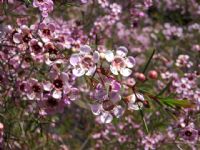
<point>36,88</point>
<point>58,83</point>
<point>107,105</point>
<point>87,62</point>
<point>52,102</point>
<point>27,59</point>
<point>26,38</point>
<point>46,32</point>
<point>37,48</point>
<point>188,133</point>
<point>22,87</point>
<point>183,85</point>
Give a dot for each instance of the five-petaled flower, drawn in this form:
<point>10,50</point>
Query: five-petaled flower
<point>119,62</point>
<point>84,62</point>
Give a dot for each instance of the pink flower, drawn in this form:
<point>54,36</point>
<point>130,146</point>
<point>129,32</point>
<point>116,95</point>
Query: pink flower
<point>45,6</point>
<point>84,62</point>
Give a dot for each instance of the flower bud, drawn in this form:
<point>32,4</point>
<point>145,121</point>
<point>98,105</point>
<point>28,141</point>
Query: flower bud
<point>153,74</point>
<point>140,76</point>
<point>1,127</point>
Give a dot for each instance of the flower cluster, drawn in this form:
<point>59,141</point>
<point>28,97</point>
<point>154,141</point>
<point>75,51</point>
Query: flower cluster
<point>86,74</point>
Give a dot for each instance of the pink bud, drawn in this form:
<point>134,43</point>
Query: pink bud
<point>153,74</point>
<point>140,76</point>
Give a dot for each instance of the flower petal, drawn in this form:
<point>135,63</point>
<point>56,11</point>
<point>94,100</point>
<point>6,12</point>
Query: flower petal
<point>122,51</point>
<point>109,56</point>
<point>130,62</point>
<point>85,49</point>
<point>118,111</point>
<point>78,72</point>
<point>106,117</point>
<point>135,106</point>
<point>132,98</point>
<point>17,38</point>
<point>114,97</point>
<point>114,70</point>
<point>91,71</point>
<point>96,56</point>
<point>74,59</point>
<point>47,86</point>
<point>140,96</point>
<point>57,94</point>
<point>96,109</point>
<point>125,72</point>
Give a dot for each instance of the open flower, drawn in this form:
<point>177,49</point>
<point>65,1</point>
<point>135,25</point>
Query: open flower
<point>49,105</point>
<point>135,101</point>
<point>45,6</point>
<point>36,50</point>
<point>107,96</point>
<point>59,87</point>
<point>110,90</point>
<point>84,62</point>
<point>107,110</point>
<point>33,89</point>
<point>46,31</point>
<point>189,134</point>
<point>119,62</point>
<point>22,36</point>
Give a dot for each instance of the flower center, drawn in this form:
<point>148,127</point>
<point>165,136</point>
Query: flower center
<point>118,62</point>
<point>188,133</point>
<point>87,62</point>
<point>37,48</point>
<point>36,88</point>
<point>22,87</point>
<point>58,83</point>
<point>46,32</point>
<point>26,38</point>
<point>107,105</point>
<point>52,102</point>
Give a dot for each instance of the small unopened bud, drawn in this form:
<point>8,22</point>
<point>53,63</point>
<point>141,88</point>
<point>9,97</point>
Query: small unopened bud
<point>153,74</point>
<point>1,127</point>
<point>140,76</point>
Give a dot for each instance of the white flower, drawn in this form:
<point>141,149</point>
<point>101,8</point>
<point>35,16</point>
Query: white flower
<point>133,103</point>
<point>119,62</point>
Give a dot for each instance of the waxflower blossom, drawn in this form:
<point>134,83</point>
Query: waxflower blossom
<point>183,61</point>
<point>59,87</point>
<point>22,37</point>
<point>84,62</point>
<point>46,31</point>
<point>45,6</point>
<point>106,101</point>
<point>119,62</point>
<point>107,110</point>
<point>50,105</point>
<point>135,101</point>
<point>189,134</point>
